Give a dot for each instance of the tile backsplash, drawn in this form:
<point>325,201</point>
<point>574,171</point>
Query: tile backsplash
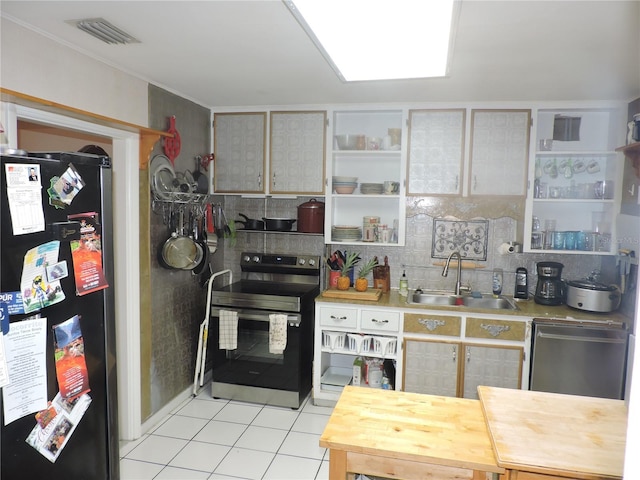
<point>415,257</point>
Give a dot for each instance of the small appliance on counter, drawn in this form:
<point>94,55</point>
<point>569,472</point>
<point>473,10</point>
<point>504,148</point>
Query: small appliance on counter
<point>550,288</point>
<point>522,286</point>
<point>593,296</point>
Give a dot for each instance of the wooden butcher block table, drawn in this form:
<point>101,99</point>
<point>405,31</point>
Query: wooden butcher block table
<point>407,435</point>
<point>564,436</point>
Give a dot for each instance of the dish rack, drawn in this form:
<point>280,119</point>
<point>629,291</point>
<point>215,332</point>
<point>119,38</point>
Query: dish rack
<point>372,345</point>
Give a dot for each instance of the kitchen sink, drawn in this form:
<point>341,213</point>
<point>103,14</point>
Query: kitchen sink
<point>446,299</point>
<point>433,298</point>
<point>499,303</point>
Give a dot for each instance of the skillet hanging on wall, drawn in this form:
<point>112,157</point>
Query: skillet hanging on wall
<point>172,144</point>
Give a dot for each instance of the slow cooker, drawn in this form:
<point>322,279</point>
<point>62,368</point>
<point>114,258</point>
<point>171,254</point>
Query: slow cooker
<point>592,296</point>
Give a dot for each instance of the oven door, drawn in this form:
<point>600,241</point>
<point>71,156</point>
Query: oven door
<point>252,364</point>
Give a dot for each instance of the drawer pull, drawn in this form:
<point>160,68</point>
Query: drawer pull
<point>431,323</point>
<point>375,320</point>
<point>495,330</point>
<point>333,317</point>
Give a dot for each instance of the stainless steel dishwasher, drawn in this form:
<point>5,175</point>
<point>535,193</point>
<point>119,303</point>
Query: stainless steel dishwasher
<point>579,357</point>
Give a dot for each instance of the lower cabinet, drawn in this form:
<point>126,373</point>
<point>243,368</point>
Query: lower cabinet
<point>455,369</point>
<point>344,334</point>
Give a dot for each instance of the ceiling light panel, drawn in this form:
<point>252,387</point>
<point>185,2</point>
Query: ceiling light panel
<point>380,39</point>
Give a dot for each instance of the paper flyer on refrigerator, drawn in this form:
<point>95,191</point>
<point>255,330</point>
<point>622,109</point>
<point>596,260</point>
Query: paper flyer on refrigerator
<point>71,367</point>
<point>87,255</point>
<point>51,438</point>
<point>24,192</point>
<point>25,349</point>
<point>37,292</point>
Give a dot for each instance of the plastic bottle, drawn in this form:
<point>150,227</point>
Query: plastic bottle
<point>404,285</point>
<point>497,281</point>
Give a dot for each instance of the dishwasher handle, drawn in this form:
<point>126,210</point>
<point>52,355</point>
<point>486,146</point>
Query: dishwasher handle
<point>579,338</point>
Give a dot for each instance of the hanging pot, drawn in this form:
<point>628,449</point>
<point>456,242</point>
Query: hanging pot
<point>311,217</point>
<point>180,251</point>
<point>251,224</point>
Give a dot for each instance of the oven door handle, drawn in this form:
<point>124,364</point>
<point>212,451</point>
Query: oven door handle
<point>293,320</point>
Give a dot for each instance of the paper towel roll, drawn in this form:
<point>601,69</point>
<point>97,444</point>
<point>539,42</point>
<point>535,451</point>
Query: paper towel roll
<point>505,248</point>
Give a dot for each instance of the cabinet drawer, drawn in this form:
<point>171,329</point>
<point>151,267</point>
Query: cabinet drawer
<point>432,324</point>
<point>339,317</point>
<point>380,320</point>
<point>496,329</point>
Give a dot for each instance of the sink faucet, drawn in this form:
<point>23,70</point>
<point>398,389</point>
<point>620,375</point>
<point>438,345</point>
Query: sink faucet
<point>445,271</point>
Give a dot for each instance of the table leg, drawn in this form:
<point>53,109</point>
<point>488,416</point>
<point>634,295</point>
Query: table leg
<point>337,464</point>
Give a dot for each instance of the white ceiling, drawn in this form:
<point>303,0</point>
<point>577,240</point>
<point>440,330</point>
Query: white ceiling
<point>246,53</point>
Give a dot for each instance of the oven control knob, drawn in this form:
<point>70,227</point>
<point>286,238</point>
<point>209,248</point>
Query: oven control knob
<point>312,262</point>
<point>256,259</point>
<point>302,261</point>
<point>246,259</point>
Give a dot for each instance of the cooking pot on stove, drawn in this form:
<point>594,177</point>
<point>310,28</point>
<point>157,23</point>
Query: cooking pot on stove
<point>311,217</point>
<point>592,296</point>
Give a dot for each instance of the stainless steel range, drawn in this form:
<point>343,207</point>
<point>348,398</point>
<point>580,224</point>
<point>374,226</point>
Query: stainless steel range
<point>269,284</point>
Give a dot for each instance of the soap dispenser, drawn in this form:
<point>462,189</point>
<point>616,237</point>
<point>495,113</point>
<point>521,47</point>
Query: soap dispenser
<point>404,284</point>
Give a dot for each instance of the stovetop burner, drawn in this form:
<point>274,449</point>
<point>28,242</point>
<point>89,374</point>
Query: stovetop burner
<point>272,282</point>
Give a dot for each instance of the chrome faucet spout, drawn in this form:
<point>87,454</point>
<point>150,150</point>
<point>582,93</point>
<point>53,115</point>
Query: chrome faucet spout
<point>445,271</point>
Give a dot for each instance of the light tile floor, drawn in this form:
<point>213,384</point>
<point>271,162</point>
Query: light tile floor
<point>207,438</point>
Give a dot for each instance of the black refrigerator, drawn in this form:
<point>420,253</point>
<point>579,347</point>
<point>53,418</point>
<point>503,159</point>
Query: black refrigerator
<point>57,264</point>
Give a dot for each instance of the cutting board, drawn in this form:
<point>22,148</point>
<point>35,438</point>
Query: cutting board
<point>555,434</point>
<point>372,294</point>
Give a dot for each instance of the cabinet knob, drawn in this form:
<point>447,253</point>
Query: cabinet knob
<point>453,352</point>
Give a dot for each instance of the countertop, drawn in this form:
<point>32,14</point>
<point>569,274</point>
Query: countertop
<point>526,308</point>
<point>409,426</point>
<point>555,434</point>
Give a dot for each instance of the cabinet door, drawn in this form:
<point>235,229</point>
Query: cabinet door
<point>239,146</point>
<point>430,367</point>
<point>436,151</point>
<point>491,366</point>
<point>297,152</point>
<point>499,152</point>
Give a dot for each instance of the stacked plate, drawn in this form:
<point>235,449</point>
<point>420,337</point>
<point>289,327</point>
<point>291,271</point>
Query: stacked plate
<point>371,188</point>
<point>346,233</point>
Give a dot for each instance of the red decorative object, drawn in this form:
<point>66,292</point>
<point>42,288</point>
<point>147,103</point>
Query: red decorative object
<point>172,144</point>
<point>206,160</point>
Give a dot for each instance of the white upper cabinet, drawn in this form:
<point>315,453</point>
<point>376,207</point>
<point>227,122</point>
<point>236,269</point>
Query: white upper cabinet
<point>499,152</point>
<point>436,152</point>
<point>297,148</point>
<point>239,146</point>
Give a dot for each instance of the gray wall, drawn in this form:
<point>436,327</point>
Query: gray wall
<point>177,297</point>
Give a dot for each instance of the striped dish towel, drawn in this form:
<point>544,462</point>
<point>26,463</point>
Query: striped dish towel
<point>228,336</point>
<point>277,333</point>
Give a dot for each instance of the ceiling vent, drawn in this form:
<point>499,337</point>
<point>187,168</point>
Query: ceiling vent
<point>103,30</point>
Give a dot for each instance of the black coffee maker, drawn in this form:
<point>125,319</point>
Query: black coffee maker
<point>550,288</point>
